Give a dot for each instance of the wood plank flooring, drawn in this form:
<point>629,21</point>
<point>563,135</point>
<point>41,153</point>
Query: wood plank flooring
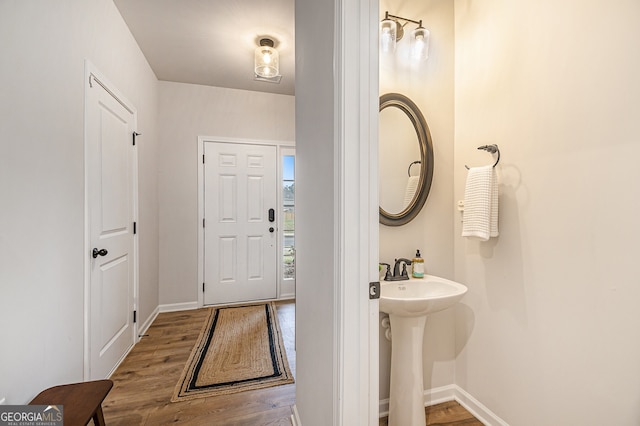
<point>446,414</point>
<point>144,383</point>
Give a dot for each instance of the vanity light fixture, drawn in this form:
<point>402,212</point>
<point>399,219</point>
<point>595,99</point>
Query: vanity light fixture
<point>420,43</point>
<point>392,31</point>
<point>266,60</point>
<point>389,30</point>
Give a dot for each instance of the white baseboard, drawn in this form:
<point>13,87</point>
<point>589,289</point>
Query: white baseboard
<point>173,307</point>
<point>384,408</point>
<point>439,395</point>
<point>141,330</point>
<point>145,326</point>
<point>287,296</point>
<point>122,358</point>
<point>476,408</point>
<point>187,306</point>
<point>295,417</point>
<point>454,393</point>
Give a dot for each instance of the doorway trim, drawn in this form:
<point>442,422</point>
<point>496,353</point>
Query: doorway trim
<point>200,171</point>
<point>356,91</point>
<point>93,75</point>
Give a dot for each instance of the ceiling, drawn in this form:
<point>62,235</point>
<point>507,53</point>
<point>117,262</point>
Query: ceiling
<point>212,42</point>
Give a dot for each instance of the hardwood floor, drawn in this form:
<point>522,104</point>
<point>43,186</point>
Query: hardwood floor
<point>446,414</point>
<point>144,383</point>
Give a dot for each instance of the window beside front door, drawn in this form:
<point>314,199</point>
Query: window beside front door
<point>288,201</point>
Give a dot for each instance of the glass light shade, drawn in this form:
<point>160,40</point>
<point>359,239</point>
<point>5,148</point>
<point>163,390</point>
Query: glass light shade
<point>388,35</point>
<point>267,63</point>
<point>420,44</point>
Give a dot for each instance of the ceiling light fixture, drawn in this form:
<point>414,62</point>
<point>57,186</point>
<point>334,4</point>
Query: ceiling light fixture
<point>267,63</point>
<point>392,31</point>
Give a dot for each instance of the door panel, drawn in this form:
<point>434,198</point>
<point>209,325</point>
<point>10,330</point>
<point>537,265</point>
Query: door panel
<point>110,181</point>
<point>227,199</point>
<point>255,199</point>
<point>115,317</point>
<point>228,259</point>
<point>255,260</point>
<point>239,248</point>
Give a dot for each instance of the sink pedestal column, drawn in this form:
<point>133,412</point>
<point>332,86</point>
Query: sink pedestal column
<point>406,399</point>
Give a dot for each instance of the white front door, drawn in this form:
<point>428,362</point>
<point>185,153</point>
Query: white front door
<point>110,182</point>
<point>240,223</point>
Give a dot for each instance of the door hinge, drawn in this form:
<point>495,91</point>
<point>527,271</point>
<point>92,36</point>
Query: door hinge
<point>134,137</point>
<point>135,228</point>
<point>135,317</point>
<point>203,223</point>
<point>203,287</point>
<point>374,290</point>
<point>202,158</point>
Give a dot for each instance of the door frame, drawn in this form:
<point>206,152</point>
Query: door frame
<point>223,139</point>
<point>356,93</point>
<point>91,76</point>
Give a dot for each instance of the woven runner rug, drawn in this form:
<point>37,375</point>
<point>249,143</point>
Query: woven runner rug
<point>239,349</point>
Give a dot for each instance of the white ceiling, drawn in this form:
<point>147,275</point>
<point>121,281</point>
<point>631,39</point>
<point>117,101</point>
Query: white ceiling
<point>212,42</point>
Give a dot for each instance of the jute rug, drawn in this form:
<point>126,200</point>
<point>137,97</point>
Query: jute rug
<point>240,348</point>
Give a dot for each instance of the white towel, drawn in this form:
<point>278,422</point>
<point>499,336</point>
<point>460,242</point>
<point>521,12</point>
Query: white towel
<point>412,185</point>
<point>480,216</point>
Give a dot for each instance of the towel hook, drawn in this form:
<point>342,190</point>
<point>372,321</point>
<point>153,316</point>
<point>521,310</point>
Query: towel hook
<point>415,162</point>
<point>493,149</point>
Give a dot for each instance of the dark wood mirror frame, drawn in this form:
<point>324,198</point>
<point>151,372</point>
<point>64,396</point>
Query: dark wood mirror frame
<point>407,106</point>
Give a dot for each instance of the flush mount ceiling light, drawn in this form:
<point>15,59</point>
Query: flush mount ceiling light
<point>267,63</point>
<point>392,31</point>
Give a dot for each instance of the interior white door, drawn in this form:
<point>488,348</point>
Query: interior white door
<point>110,190</point>
<point>240,234</point>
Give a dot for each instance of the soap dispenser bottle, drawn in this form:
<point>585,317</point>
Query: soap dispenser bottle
<point>418,266</point>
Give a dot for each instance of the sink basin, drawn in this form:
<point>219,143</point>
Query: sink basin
<point>408,304</point>
<point>418,297</point>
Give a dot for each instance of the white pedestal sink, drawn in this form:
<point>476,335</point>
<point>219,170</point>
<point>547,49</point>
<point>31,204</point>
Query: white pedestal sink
<point>408,303</point>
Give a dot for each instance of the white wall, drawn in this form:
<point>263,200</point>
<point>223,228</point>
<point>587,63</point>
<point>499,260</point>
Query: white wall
<point>43,46</point>
<point>430,85</point>
<point>315,211</point>
<point>549,330</point>
<point>187,111</point>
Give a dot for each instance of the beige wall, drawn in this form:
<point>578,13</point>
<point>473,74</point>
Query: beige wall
<point>43,46</point>
<point>548,333</point>
<point>187,111</point>
<point>430,85</point>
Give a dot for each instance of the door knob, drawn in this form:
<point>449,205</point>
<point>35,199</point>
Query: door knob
<point>97,252</point>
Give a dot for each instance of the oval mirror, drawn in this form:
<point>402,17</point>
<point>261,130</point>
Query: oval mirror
<point>406,160</point>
